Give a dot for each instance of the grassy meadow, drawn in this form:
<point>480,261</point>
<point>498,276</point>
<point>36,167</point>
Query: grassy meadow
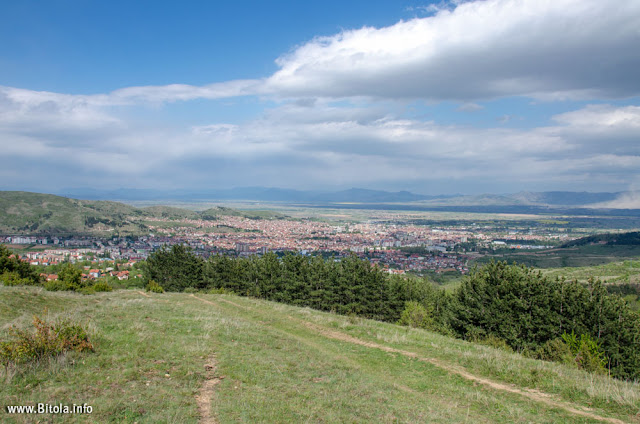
<point>268,362</point>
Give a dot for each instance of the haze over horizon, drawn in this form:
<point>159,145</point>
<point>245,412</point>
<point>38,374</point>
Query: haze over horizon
<point>471,97</point>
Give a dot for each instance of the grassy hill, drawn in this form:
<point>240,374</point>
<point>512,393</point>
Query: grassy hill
<point>583,252</point>
<point>34,213</point>
<point>614,272</point>
<point>616,239</point>
<point>218,358</point>
<point>43,214</point>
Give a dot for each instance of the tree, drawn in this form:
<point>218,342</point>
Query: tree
<point>14,271</point>
<point>71,276</point>
<point>175,269</point>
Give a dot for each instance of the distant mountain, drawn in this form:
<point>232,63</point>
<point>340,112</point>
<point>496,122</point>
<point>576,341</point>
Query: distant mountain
<point>359,195</point>
<point>563,198</point>
<point>527,198</point>
<point>271,194</point>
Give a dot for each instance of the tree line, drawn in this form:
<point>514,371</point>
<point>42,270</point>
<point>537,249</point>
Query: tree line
<point>511,305</point>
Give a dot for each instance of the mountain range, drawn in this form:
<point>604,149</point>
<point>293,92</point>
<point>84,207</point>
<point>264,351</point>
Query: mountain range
<point>359,195</point>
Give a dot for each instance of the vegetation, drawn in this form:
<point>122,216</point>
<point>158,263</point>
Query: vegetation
<point>515,304</point>
<point>45,214</point>
<point>622,239</point>
<point>579,256</point>
<point>15,272</point>
<point>48,340</point>
<point>275,363</point>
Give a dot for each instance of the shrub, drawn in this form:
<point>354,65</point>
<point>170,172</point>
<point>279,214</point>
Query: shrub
<point>102,286</point>
<point>221,290</point>
<point>23,273</point>
<point>587,352</point>
<point>12,278</point>
<point>56,285</point>
<point>555,350</point>
<point>191,290</point>
<point>154,287</point>
<point>416,315</point>
<point>86,290</point>
<point>495,342</point>
<point>72,277</point>
<point>48,340</point>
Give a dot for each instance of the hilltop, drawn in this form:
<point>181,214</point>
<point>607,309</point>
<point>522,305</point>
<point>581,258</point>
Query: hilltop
<point>36,213</point>
<point>218,358</point>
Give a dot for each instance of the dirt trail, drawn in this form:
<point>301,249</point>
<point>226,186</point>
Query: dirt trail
<point>207,391</point>
<point>531,394</point>
<point>143,293</point>
<point>534,395</point>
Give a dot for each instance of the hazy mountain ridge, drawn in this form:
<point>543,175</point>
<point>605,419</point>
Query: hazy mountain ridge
<point>359,195</point>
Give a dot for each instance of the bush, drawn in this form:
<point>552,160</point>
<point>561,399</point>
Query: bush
<point>154,287</point>
<point>49,340</point>
<point>20,272</point>
<point>221,290</point>
<point>555,350</point>
<point>586,352</point>
<point>416,315</point>
<point>12,278</point>
<point>191,290</point>
<point>494,342</point>
<point>102,286</point>
<point>72,277</point>
<point>86,290</point>
<point>56,285</point>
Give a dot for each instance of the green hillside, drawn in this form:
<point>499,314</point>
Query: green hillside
<point>170,212</point>
<point>217,358</point>
<point>587,251</point>
<point>34,213</point>
<point>46,214</point>
<point>215,213</point>
<point>616,239</point>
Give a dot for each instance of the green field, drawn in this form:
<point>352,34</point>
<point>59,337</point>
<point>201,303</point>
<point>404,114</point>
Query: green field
<point>581,256</point>
<point>613,272</point>
<point>183,358</point>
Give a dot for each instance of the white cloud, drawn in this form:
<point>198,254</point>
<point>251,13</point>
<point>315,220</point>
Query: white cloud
<point>184,92</point>
<point>549,49</point>
<point>469,107</point>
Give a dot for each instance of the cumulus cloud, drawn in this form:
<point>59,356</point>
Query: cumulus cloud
<point>479,50</point>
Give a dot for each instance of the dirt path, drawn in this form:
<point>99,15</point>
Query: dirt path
<point>207,391</point>
<point>534,395</point>
<point>143,293</point>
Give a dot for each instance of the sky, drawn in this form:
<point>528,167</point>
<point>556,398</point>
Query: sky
<point>470,97</point>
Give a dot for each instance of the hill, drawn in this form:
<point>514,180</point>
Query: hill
<point>46,214</point>
<point>218,358</point>
<point>34,213</point>
<point>616,239</point>
<point>587,251</point>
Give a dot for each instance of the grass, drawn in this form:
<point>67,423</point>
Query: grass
<point>582,256</point>
<point>614,272</point>
<point>278,363</point>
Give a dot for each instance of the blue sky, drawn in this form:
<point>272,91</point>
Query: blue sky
<point>439,97</point>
